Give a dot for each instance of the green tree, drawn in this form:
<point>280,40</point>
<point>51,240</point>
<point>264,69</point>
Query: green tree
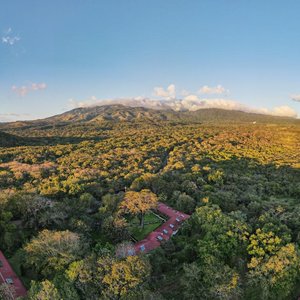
<point>52,251</point>
<point>185,203</point>
<point>211,279</point>
<point>44,290</point>
<point>273,269</point>
<point>7,230</point>
<point>138,203</point>
<point>121,276</point>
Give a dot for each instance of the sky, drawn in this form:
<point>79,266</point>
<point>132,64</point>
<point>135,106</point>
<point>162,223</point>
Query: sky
<point>235,54</point>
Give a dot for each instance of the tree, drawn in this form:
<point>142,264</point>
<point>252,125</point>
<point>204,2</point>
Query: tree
<point>52,251</point>
<point>121,276</point>
<point>222,236</point>
<point>216,177</point>
<point>7,229</point>
<point>273,268</point>
<point>35,208</point>
<point>185,203</point>
<point>109,204</point>
<point>44,290</point>
<point>83,275</point>
<point>138,203</point>
<point>116,228</point>
<point>263,243</point>
<point>65,287</point>
<point>212,280</point>
<point>86,203</point>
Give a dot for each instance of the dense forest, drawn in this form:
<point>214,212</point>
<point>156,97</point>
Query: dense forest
<point>63,181</point>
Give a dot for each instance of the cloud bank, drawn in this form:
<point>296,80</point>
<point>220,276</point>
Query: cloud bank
<point>166,99</point>
<point>25,89</point>
<point>189,103</point>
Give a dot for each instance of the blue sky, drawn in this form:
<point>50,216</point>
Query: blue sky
<point>58,54</point>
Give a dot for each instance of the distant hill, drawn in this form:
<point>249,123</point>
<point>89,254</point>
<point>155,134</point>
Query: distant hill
<point>121,113</point>
<point>216,115</point>
<point>110,113</point>
<point>126,113</point>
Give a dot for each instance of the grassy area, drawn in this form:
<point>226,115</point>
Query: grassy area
<point>151,223</point>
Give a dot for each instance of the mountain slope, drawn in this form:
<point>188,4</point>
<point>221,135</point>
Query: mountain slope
<point>125,113</point>
<point>215,115</point>
<point>109,113</point>
<point>121,113</point>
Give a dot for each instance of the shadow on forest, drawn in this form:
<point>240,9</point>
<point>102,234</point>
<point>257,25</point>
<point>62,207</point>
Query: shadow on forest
<point>233,184</point>
<point>260,195</point>
<point>50,141</point>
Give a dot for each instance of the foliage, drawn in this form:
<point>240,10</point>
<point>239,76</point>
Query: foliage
<point>52,251</point>
<point>74,186</point>
<point>44,290</point>
<point>138,203</point>
<point>119,277</point>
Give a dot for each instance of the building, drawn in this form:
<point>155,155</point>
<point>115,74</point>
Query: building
<point>8,276</point>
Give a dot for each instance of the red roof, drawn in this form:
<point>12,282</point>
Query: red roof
<point>151,242</point>
<point>6,271</point>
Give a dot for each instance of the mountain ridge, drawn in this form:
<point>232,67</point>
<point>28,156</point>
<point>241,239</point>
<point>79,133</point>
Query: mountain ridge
<point>122,113</point>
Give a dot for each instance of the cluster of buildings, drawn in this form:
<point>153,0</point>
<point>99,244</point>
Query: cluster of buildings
<point>164,232</point>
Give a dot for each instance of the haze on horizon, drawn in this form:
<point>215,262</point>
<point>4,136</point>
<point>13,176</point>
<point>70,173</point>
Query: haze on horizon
<point>55,56</point>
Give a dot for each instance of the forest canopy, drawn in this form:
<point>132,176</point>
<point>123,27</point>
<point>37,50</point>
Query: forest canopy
<point>70,186</point>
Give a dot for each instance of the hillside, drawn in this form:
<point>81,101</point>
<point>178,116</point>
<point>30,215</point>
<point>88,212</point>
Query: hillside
<point>121,113</point>
<point>126,113</point>
<point>110,113</point>
<point>215,115</point>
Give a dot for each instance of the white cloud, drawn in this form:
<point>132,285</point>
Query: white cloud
<point>214,90</point>
<point>169,93</point>
<point>25,89</point>
<point>296,98</point>
<point>194,102</point>
<point>189,102</point>
<point>191,97</point>
<point>9,38</point>
<point>38,86</point>
<point>284,111</point>
<point>132,102</point>
<point>223,104</point>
